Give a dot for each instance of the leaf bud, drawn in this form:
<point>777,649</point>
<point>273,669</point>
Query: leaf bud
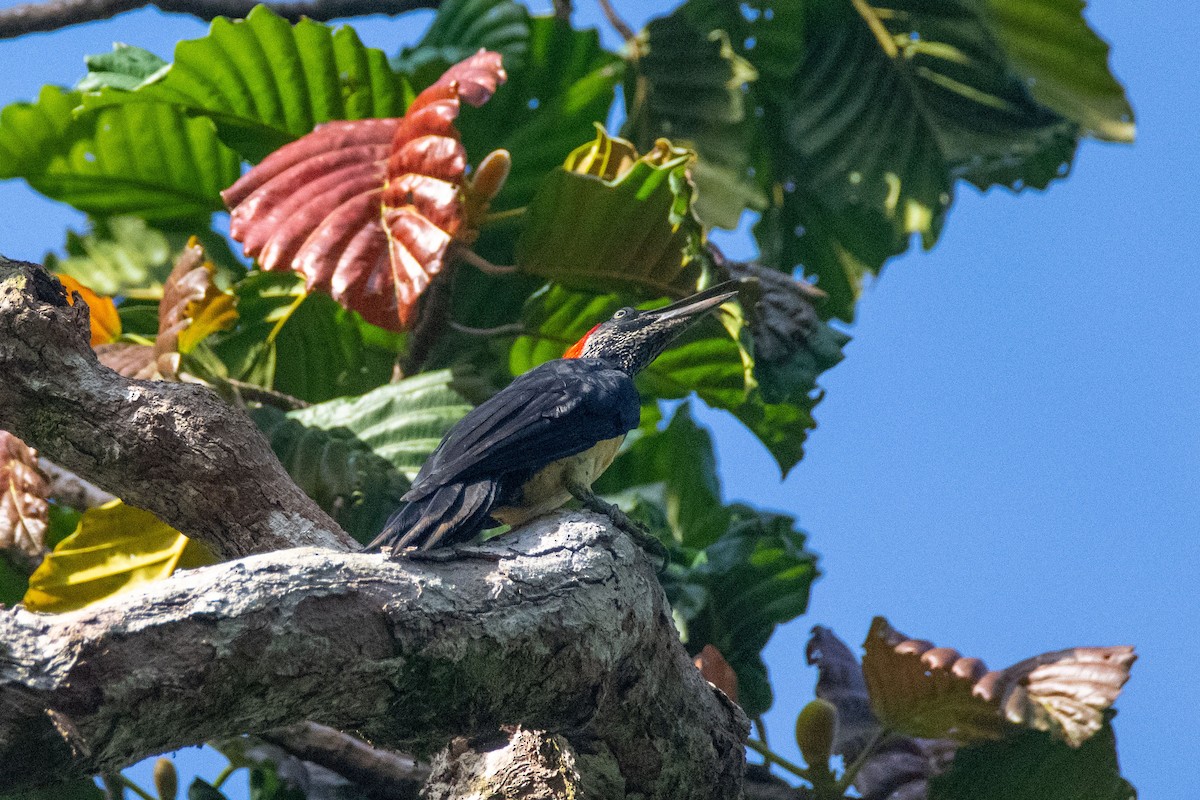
<point>814,732</point>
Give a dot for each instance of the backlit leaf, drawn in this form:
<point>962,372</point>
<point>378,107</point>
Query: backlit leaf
<point>367,210</point>
<point>116,548</point>
<point>24,512</point>
<point>611,218</point>
<point>265,82</point>
<point>124,68</point>
<point>102,312</point>
<point>149,160</point>
<point>463,27</point>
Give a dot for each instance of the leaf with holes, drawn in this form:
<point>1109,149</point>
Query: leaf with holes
<point>358,488</point>
<point>265,82</point>
<point>609,217</point>
<point>402,422</point>
<point>149,160</point>
<point>24,512</point>
<point>687,84</point>
<point>366,210</point>
<point>116,548</point>
<point>935,692</point>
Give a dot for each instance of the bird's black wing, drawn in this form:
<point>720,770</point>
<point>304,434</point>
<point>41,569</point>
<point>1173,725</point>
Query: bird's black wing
<point>553,411</point>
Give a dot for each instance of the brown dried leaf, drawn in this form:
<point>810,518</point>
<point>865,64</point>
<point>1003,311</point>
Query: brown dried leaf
<point>24,513</point>
<point>717,671</point>
<point>366,210</point>
<point>129,359</point>
<point>935,692</point>
<point>192,308</point>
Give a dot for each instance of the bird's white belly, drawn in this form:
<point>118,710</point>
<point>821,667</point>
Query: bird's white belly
<point>546,490</point>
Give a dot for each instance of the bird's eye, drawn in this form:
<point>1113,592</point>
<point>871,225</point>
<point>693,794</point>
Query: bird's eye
<point>621,314</point>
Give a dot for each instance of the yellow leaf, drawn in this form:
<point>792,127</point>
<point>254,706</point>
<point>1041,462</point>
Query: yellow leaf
<point>106,325</point>
<point>115,548</point>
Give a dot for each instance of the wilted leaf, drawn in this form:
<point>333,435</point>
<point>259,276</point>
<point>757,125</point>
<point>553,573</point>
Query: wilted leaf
<point>116,548</point>
<point>124,68</point>
<point>901,766</point>
<point>609,218</point>
<point>928,691</point>
<point>1032,765</point>
<point>265,82</point>
<point>24,513</point>
<point>687,85</point>
<point>402,422</point>
<point>102,312</point>
<point>366,210</point>
<point>716,670</point>
<point>149,160</point>
<point>191,310</point>
<point>358,488</point>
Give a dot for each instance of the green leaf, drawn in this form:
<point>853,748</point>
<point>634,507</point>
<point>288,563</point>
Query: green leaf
<point>609,217</point>
<point>680,459</point>
<point>265,82</point>
<point>13,582</point>
<point>402,422</point>
<point>125,254</point>
<point>336,469</point>
<point>1064,63</point>
<point>267,784</point>
<point>1033,765</point>
<point>115,548</point>
<point>148,160</point>
<point>304,345</point>
<point>768,33</point>
<point>754,577</point>
<point>687,84</point>
<point>124,68</point>
<point>203,790</point>
<point>546,108</point>
<point>459,29</point>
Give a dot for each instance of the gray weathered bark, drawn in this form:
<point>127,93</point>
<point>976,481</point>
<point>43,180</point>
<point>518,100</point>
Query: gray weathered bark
<point>174,449</point>
<point>560,627</point>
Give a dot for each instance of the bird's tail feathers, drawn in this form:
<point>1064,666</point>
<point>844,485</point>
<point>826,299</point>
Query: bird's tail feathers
<point>454,513</point>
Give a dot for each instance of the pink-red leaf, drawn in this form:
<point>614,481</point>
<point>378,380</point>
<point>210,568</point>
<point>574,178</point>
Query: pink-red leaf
<point>366,210</point>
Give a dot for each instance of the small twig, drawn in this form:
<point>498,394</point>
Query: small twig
<point>618,24</point>
<point>133,787</point>
<point>847,779</point>
<point>775,758</point>
<point>268,397</point>
<point>431,324</point>
<point>224,774</point>
<point>379,773</point>
<point>482,264</point>
<point>761,726</point>
<point>496,217</point>
<point>562,10</point>
<point>515,328</point>
<point>40,17</point>
<point>71,490</point>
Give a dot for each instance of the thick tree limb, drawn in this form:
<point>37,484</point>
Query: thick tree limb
<point>174,449</point>
<point>559,627</point>
<point>50,16</point>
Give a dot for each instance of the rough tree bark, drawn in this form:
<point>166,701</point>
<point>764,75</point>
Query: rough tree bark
<point>548,656</point>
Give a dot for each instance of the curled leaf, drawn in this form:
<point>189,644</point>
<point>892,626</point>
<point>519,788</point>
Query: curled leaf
<point>102,312</point>
<point>24,513</point>
<point>366,210</point>
<point>717,671</point>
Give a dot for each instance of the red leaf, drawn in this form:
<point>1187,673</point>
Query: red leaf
<point>366,210</point>
<point>717,671</point>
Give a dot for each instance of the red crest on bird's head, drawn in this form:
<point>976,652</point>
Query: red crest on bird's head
<point>576,350</point>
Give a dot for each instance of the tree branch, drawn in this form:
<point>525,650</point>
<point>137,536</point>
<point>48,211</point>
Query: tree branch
<point>174,449</point>
<point>50,16</point>
<point>380,774</point>
<point>559,627</point>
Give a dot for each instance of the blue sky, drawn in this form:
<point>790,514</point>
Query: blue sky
<point>1008,460</point>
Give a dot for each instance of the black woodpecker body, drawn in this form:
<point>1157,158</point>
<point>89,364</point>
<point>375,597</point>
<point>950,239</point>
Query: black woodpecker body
<point>545,437</point>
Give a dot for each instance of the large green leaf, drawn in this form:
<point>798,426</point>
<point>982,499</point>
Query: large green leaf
<point>460,29</point>
<point>893,102</point>
<point>148,160</point>
<point>115,548</point>
<point>687,83</point>
<point>611,217</point>
<point>265,82</point>
<point>402,422</point>
<point>304,345</point>
<point>756,576</point>
<point>1034,765</point>
<point>359,488</point>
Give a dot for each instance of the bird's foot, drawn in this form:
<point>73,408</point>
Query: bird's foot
<point>441,555</point>
<point>642,537</point>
